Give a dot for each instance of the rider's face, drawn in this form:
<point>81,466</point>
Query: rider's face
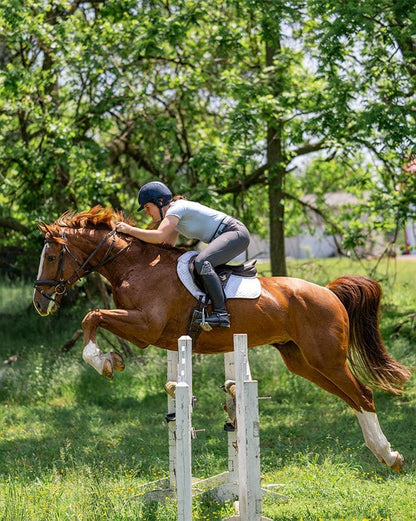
<point>152,211</point>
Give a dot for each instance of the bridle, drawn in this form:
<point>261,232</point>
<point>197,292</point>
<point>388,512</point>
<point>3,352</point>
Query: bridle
<point>62,285</point>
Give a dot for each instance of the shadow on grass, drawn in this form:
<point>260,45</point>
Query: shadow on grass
<point>99,431</point>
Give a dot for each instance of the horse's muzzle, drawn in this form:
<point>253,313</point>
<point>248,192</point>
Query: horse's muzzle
<point>44,304</point>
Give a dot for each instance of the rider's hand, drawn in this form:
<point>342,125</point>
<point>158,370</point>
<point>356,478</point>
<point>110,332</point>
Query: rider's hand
<point>123,227</point>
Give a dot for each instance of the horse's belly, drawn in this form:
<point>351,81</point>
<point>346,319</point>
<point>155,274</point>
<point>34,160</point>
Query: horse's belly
<point>262,325</point>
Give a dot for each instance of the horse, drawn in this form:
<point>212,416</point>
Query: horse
<point>328,335</point>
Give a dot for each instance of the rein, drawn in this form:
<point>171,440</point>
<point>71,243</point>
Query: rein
<point>62,285</point>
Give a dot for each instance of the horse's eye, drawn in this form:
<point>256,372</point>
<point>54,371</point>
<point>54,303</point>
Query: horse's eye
<point>51,258</point>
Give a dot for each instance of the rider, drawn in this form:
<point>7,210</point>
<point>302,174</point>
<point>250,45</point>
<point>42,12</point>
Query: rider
<point>226,237</point>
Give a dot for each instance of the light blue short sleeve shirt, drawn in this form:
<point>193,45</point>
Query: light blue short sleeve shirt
<point>196,221</point>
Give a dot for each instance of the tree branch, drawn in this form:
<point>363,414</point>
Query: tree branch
<point>256,177</point>
<point>335,229</point>
<point>14,224</point>
<point>309,147</point>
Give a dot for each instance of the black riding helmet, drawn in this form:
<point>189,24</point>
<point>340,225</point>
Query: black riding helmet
<point>154,192</point>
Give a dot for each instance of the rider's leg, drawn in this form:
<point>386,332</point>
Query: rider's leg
<point>212,284</point>
<point>233,241</point>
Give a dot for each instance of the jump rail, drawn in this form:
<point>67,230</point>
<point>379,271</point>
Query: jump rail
<point>242,480</point>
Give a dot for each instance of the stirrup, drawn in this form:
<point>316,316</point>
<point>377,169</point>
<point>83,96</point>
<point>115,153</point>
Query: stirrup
<point>216,319</point>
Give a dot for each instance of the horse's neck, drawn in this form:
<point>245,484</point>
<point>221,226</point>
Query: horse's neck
<point>137,254</point>
<point>90,244</point>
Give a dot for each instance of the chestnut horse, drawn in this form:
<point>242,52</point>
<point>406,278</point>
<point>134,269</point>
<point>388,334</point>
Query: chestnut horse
<point>328,335</point>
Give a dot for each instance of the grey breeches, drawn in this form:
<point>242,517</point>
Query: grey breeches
<point>234,239</point>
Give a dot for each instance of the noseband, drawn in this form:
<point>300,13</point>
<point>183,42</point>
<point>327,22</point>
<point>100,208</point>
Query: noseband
<point>62,285</point>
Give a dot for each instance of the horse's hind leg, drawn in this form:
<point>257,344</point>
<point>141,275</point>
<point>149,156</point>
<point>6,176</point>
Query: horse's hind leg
<point>377,442</point>
<point>341,382</point>
<point>297,364</point>
<point>374,437</point>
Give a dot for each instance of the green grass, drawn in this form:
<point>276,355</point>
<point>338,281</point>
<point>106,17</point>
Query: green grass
<point>74,446</point>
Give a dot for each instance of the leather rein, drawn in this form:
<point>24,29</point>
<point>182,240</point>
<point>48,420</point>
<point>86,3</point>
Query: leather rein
<point>62,285</point>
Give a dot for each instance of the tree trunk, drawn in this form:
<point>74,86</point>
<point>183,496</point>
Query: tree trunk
<point>276,204</point>
<point>276,177</point>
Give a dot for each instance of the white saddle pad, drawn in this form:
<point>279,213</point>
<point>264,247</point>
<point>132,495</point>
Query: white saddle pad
<point>237,287</point>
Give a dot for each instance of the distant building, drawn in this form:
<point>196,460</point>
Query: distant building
<point>317,244</point>
<point>410,228</point>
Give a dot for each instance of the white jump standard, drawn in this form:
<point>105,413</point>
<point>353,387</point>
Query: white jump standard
<point>242,480</point>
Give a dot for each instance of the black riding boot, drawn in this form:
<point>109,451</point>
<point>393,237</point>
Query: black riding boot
<point>219,316</point>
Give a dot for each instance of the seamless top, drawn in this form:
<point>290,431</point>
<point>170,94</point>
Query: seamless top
<point>196,221</point>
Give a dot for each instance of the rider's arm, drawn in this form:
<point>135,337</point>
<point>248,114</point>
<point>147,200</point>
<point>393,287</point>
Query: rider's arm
<point>165,234</point>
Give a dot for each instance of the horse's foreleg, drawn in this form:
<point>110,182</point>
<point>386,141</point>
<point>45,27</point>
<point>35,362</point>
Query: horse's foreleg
<point>377,442</point>
<point>105,363</point>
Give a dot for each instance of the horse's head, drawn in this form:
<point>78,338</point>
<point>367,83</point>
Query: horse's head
<point>75,245</point>
<point>55,270</point>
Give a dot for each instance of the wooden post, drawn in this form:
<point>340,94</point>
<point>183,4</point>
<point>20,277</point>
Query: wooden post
<point>183,452</point>
<point>172,375</point>
<point>248,440</point>
<point>243,476</point>
<point>185,361</point>
<point>229,370</point>
<point>183,400</point>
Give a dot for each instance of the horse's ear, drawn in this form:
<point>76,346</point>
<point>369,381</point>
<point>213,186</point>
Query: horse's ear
<point>43,227</point>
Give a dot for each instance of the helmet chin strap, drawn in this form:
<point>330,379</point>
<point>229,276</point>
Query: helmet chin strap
<point>160,205</point>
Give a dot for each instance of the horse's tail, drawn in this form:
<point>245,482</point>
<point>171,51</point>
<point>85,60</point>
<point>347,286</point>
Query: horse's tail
<point>367,355</point>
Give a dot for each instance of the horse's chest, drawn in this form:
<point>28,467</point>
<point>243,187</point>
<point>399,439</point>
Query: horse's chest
<point>126,295</point>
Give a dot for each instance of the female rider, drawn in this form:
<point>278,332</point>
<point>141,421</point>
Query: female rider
<point>225,236</point>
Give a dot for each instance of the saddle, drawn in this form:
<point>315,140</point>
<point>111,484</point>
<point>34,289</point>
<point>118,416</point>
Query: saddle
<point>224,272</point>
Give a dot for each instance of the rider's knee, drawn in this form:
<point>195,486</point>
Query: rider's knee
<point>203,267</point>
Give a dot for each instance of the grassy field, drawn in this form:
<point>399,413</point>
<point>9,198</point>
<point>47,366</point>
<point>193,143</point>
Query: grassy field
<point>74,446</point>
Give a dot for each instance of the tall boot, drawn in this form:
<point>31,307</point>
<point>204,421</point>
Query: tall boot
<point>212,284</point>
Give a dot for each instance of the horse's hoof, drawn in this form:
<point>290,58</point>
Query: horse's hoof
<point>118,362</point>
<point>398,464</point>
<point>108,370</point>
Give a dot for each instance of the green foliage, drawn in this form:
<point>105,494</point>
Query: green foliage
<point>225,102</point>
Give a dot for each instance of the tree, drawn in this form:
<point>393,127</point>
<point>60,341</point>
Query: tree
<point>367,53</point>
<point>220,100</point>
